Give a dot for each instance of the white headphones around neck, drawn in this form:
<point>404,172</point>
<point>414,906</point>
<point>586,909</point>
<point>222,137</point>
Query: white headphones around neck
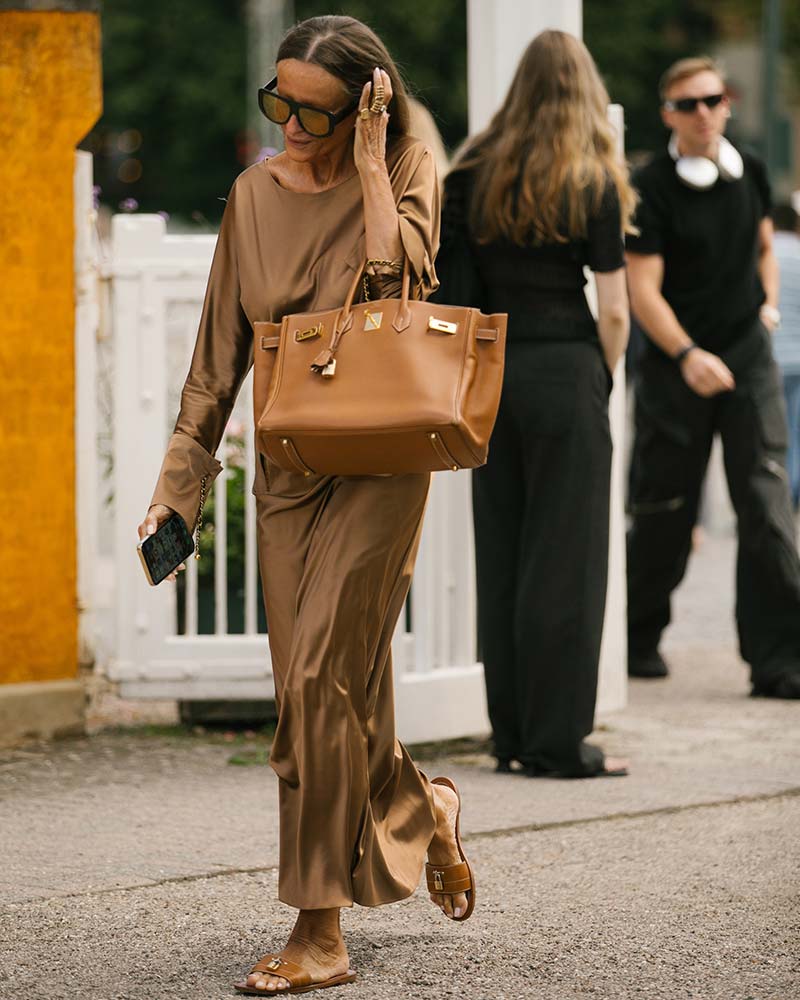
<point>700,173</point>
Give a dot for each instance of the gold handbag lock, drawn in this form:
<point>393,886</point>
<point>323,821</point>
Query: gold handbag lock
<point>310,333</point>
<point>441,325</point>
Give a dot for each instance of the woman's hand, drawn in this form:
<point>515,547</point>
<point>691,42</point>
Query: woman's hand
<point>369,149</point>
<point>155,517</point>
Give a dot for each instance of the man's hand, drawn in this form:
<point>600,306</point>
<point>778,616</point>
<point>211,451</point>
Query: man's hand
<point>706,374</point>
<point>770,317</point>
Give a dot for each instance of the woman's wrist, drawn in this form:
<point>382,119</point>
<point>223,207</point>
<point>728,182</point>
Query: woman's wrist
<point>379,265</point>
<point>372,168</point>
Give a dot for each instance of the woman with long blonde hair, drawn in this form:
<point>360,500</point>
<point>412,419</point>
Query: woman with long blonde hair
<point>537,196</point>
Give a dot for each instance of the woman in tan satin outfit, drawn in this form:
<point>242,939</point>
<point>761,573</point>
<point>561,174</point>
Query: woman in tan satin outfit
<point>356,816</point>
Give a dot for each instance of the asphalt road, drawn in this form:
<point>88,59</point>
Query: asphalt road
<point>141,866</point>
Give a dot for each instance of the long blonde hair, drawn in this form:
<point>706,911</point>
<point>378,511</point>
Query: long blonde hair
<point>547,148</point>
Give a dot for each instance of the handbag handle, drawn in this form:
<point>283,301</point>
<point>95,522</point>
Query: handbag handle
<point>403,318</point>
<point>324,363</point>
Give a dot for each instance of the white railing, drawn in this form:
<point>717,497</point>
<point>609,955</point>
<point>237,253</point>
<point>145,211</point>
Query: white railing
<point>158,285</point>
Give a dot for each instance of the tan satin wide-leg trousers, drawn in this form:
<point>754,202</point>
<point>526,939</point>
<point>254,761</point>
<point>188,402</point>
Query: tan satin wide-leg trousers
<point>336,557</point>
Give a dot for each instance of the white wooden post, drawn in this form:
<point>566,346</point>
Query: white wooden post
<point>498,33</point>
<point>140,421</point>
<point>86,464</point>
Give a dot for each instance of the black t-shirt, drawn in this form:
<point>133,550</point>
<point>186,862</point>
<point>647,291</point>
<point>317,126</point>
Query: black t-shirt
<point>540,286</point>
<point>709,242</point>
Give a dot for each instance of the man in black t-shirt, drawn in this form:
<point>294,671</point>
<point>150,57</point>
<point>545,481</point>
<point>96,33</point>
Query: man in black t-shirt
<point>704,287</point>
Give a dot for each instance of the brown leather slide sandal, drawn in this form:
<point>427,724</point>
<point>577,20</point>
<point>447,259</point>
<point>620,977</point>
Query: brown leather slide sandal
<point>298,978</point>
<point>451,879</point>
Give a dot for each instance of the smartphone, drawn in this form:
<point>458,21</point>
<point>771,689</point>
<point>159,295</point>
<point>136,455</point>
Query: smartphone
<point>164,551</point>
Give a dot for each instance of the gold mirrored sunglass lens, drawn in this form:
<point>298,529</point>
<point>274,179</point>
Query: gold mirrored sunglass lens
<point>275,109</point>
<point>313,122</point>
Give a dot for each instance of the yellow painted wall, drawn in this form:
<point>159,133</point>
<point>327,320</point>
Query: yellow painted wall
<point>50,96</point>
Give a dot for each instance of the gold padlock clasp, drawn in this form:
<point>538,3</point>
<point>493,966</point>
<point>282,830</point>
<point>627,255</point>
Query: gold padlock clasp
<point>441,325</point>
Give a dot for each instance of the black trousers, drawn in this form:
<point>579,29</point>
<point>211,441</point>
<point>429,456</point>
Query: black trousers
<point>674,433</point>
<point>541,508</point>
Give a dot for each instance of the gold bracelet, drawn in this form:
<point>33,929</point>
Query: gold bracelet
<point>394,265</point>
<point>377,267</point>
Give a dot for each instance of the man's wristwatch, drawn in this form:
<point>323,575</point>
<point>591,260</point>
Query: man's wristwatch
<point>677,358</point>
<point>771,314</point>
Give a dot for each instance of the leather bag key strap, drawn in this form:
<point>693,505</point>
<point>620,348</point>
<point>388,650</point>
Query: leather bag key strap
<point>326,358</point>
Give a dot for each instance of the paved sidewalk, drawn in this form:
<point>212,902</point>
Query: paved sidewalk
<point>141,867</point>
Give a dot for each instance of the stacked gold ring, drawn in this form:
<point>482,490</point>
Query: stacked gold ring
<point>377,107</point>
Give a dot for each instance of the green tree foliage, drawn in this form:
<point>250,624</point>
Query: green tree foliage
<point>174,95</point>
<point>746,17</point>
<point>175,92</point>
<point>176,87</point>
<point>633,42</point>
<point>428,41</point>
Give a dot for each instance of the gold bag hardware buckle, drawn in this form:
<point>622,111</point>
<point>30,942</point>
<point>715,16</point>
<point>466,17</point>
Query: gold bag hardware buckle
<point>441,325</point>
<point>310,333</point>
<point>372,320</point>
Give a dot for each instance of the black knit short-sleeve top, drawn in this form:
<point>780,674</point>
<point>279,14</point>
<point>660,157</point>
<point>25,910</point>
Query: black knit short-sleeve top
<point>540,285</point>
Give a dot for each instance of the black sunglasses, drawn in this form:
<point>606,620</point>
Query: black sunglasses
<point>313,120</point>
<point>689,104</point>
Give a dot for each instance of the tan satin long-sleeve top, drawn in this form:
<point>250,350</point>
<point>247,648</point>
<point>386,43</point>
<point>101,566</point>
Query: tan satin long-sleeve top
<point>280,252</point>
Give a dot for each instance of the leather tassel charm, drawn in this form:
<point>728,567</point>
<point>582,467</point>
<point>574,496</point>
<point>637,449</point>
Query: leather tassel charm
<point>322,360</point>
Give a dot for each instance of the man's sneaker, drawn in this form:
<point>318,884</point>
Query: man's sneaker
<point>647,664</point>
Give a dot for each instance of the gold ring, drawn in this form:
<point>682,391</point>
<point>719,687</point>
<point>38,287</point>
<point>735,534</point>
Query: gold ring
<point>364,113</point>
<point>376,105</point>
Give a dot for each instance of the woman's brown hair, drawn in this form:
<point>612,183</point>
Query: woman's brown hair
<point>350,51</point>
<point>549,153</point>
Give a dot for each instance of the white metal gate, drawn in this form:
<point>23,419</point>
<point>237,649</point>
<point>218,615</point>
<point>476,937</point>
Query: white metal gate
<point>158,285</point>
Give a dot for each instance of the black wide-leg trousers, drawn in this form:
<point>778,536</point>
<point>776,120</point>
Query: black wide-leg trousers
<point>674,432</point>
<point>541,509</point>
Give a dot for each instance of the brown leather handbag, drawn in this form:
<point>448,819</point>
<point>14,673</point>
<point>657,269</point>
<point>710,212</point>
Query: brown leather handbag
<point>390,386</point>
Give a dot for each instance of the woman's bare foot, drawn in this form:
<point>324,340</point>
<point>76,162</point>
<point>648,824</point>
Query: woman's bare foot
<point>316,944</point>
<point>443,849</point>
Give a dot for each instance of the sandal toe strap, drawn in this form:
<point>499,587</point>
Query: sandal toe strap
<point>275,965</point>
<point>448,878</point>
